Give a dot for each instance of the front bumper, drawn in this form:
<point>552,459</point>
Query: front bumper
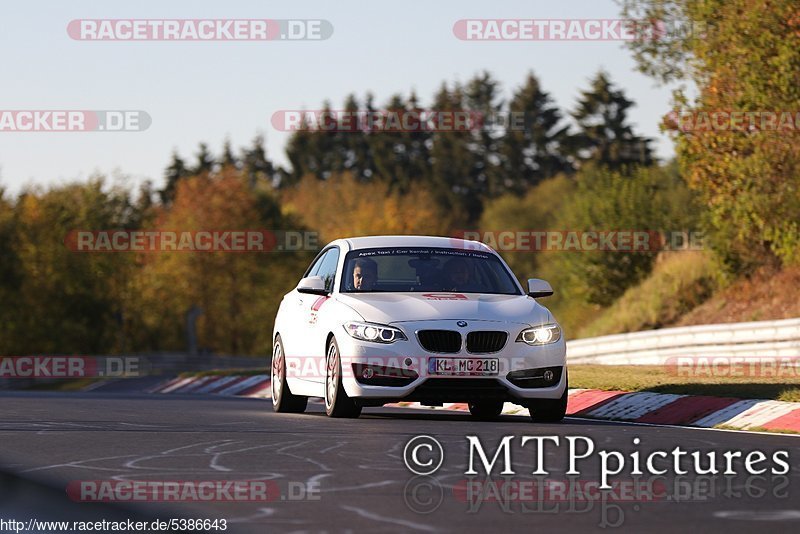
<point>399,371</point>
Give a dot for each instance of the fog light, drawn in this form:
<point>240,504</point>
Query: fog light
<point>368,373</point>
<point>548,375</point>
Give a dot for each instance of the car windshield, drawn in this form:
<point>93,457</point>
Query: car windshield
<point>412,269</point>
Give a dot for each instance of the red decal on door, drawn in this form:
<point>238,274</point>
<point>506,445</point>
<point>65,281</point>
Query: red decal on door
<point>318,303</point>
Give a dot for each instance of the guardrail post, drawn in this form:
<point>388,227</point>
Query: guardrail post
<point>191,328</point>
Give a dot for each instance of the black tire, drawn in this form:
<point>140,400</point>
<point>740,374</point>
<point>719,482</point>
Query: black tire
<point>337,403</point>
<point>283,400</point>
<point>486,410</point>
<point>549,410</point>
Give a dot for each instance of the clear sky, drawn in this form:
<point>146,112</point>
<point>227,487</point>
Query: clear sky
<point>209,91</point>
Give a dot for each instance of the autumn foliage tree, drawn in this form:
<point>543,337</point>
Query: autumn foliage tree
<point>743,56</point>
<point>237,292</point>
<point>55,300</point>
<point>342,206</point>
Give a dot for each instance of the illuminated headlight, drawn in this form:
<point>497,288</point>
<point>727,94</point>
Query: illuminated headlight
<point>540,335</point>
<point>374,332</point>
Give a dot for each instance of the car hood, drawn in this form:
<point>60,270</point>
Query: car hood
<point>389,308</point>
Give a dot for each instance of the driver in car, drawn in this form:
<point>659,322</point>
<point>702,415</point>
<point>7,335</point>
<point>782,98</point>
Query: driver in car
<point>365,274</point>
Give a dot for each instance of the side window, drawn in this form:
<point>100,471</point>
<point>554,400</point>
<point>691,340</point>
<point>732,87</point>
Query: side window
<point>327,268</point>
<point>313,270</point>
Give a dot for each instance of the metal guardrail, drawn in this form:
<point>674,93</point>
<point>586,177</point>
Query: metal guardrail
<point>161,363</point>
<point>761,339</point>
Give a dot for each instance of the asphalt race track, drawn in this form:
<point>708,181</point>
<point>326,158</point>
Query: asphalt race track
<point>355,468</point>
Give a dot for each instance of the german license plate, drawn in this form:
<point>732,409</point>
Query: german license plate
<point>463,366</point>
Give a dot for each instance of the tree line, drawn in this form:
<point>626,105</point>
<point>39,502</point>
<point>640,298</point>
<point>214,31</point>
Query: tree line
<point>582,169</point>
<point>406,182</point>
<point>459,169</point>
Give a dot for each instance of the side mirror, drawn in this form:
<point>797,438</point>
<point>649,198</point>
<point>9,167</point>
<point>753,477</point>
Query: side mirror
<point>313,285</point>
<point>539,288</point>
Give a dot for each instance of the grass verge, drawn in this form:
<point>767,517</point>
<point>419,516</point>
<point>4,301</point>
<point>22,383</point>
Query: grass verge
<point>660,379</point>
<point>679,282</point>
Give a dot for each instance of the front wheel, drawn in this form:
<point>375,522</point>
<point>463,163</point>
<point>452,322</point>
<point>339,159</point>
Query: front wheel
<point>337,403</point>
<point>549,410</point>
<point>283,400</point>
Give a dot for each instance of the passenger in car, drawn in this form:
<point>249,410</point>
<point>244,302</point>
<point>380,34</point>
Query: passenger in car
<point>457,276</point>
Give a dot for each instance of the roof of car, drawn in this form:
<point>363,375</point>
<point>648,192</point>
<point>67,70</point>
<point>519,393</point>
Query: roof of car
<point>380,241</point>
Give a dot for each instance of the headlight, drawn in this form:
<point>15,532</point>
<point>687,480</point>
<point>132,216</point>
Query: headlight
<point>540,335</point>
<point>377,333</point>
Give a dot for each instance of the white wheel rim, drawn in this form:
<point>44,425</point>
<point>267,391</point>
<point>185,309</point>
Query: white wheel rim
<point>277,373</point>
<point>331,376</point>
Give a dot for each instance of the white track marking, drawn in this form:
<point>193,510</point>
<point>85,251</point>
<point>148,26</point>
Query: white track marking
<point>384,519</point>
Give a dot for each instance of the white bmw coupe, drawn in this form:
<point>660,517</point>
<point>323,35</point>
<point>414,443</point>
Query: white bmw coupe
<point>382,319</point>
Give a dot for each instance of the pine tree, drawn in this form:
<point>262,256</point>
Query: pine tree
<point>173,173</point>
<point>604,135</point>
<point>299,149</point>
<point>482,99</point>
<point>326,154</point>
<point>228,158</point>
<point>401,156</point>
<point>354,144</point>
<point>317,149</point>
<point>453,164</point>
<point>205,161</point>
<point>418,147</point>
<point>257,168</point>
<point>532,148</point>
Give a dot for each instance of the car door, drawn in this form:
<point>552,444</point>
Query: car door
<point>306,355</point>
<point>318,330</point>
<point>296,314</point>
